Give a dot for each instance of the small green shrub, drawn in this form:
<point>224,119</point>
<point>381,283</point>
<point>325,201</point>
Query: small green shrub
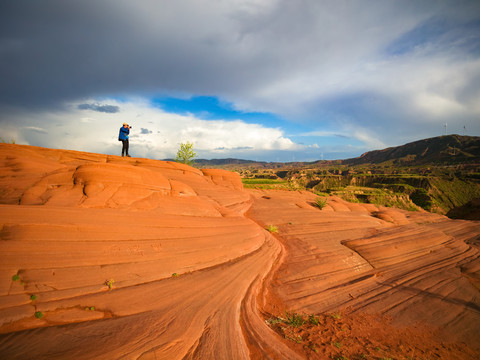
<point>312,319</point>
<point>272,228</point>
<point>92,308</point>
<point>110,283</point>
<point>336,316</point>
<point>320,202</point>
<point>294,319</point>
<point>33,297</point>
<point>38,314</point>
<point>174,275</point>
<point>337,344</point>
<point>15,277</point>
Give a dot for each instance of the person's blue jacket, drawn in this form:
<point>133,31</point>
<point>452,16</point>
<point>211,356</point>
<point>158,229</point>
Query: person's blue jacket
<point>123,135</point>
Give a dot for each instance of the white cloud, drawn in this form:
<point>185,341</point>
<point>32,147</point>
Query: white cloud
<point>35,129</point>
<point>155,133</point>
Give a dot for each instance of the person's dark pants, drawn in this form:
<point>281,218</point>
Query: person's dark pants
<point>125,147</point>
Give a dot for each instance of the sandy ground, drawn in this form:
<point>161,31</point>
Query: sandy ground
<point>104,257</point>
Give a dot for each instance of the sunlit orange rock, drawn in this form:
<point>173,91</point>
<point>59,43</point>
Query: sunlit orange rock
<point>107,257</point>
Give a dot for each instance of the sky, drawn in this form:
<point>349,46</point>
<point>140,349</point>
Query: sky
<point>265,80</point>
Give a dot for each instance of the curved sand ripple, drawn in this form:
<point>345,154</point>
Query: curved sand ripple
<point>193,267</point>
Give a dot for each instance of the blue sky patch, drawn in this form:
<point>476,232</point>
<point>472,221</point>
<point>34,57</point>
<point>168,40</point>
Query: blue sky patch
<point>427,32</point>
<point>211,108</point>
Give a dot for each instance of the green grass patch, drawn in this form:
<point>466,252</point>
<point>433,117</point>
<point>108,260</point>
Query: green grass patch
<point>270,184</point>
<point>262,181</point>
<point>38,314</point>
<point>272,228</point>
<point>294,319</point>
<point>312,319</point>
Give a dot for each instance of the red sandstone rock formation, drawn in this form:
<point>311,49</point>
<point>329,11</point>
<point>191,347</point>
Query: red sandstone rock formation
<point>195,274</point>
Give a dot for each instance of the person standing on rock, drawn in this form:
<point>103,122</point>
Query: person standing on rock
<point>123,137</point>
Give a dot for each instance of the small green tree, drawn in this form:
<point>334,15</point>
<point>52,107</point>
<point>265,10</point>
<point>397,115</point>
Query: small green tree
<point>185,154</point>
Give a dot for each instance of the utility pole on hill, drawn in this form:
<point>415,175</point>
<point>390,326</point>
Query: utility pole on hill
<point>445,128</point>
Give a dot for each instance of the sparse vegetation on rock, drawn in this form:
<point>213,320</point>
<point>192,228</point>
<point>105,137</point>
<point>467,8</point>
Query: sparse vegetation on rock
<point>110,283</point>
<point>11,141</point>
<point>320,202</point>
<point>272,228</point>
<point>38,314</point>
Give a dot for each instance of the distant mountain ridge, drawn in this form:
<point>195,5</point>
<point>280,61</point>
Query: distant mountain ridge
<point>440,150</point>
<point>228,161</point>
<point>448,149</point>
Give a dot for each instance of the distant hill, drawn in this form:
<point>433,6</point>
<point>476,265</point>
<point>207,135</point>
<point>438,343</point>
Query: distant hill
<point>441,150</point>
<point>448,149</point>
<point>228,161</point>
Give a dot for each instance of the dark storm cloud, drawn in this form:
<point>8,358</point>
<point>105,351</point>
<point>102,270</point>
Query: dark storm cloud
<point>60,50</point>
<point>381,69</point>
<point>53,51</point>
<point>57,50</point>
<point>110,109</point>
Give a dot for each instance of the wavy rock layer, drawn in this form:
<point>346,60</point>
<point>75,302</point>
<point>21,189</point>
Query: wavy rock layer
<point>414,267</point>
<point>173,239</point>
<point>142,259</point>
